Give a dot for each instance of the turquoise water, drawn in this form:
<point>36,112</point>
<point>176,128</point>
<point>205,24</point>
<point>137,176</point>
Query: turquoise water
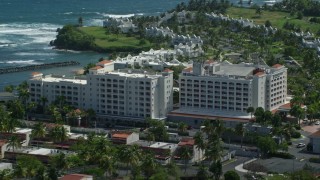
<point>27,27</point>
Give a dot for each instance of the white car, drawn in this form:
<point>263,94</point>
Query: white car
<point>317,123</point>
<point>300,145</point>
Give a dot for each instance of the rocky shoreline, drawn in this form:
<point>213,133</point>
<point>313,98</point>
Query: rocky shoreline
<point>37,66</point>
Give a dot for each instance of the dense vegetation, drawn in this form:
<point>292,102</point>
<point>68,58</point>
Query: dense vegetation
<point>69,37</point>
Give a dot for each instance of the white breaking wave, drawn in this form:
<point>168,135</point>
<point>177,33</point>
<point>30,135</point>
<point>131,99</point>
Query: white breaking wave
<point>34,54</point>
<point>40,33</point>
<point>121,15</point>
<point>30,62</point>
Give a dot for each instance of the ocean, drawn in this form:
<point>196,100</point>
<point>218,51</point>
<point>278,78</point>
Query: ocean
<point>27,27</point>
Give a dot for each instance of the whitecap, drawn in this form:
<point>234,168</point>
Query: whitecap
<point>31,62</point>
<point>118,15</point>
<point>34,54</point>
<point>68,13</point>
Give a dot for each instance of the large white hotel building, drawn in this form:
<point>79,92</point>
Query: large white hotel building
<point>114,95</point>
<point>225,91</point>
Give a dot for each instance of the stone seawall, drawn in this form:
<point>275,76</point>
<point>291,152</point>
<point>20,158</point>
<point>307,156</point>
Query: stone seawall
<point>37,66</point>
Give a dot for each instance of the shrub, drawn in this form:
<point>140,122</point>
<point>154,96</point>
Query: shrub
<point>231,175</point>
<point>295,134</point>
<point>314,160</point>
<point>297,126</point>
<point>283,155</point>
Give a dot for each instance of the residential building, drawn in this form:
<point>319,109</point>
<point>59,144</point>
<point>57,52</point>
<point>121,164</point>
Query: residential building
<point>232,88</point>
<point>124,137</point>
<point>227,90</point>
<point>163,151</point>
<point>315,141</point>
<point>117,95</point>
<point>196,154</point>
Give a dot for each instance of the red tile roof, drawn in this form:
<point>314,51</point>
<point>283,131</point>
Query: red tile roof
<point>121,135</point>
<point>259,74</point>
<point>188,69</point>
<point>316,134</point>
<point>75,177</point>
<point>186,142</point>
<point>277,66</point>
<point>105,62</point>
<point>96,68</point>
<point>167,70</point>
<point>35,73</point>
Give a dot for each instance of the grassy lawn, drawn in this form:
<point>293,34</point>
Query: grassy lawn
<point>109,41</point>
<point>276,18</point>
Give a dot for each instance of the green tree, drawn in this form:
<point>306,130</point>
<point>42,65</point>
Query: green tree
<point>182,127</point>
<point>268,23</point>
<point>149,165</point>
<point>266,145</point>
<point>216,169</point>
<point>199,141</point>
<point>158,129</point>
<point>203,172</point>
<point>185,154</point>
<point>297,112</point>
<point>231,175</point>
<point>27,167</point>
<point>58,134</point>
<point>38,131</point>
<point>241,131</point>
<point>9,88</point>
<point>6,174</point>
<point>14,142</point>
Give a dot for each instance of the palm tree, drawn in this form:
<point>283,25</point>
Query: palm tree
<point>216,169</point>
<point>14,142</point>
<point>297,112</point>
<point>91,114</point>
<point>185,155</point>
<point>149,165</point>
<point>241,131</point>
<point>38,131</point>
<point>200,143</point>
<point>182,127</point>
<point>58,134</point>
<point>43,100</point>
<point>107,162</point>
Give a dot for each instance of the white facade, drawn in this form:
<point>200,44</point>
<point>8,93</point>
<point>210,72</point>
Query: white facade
<point>111,94</point>
<point>232,88</point>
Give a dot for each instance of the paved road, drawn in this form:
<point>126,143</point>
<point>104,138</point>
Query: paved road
<point>288,165</point>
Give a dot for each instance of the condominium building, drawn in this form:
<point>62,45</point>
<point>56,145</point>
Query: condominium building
<point>114,95</point>
<point>229,89</point>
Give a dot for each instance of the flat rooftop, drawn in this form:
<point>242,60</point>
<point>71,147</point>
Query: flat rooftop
<point>23,130</point>
<point>163,145</point>
<point>235,70</point>
<point>62,79</point>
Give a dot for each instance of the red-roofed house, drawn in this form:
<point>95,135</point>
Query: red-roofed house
<point>315,141</point>
<point>196,153</point>
<point>102,67</point>
<point>36,74</point>
<point>77,177</point>
<point>124,137</point>
<point>277,66</point>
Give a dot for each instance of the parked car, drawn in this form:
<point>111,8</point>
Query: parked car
<point>317,123</point>
<point>300,145</point>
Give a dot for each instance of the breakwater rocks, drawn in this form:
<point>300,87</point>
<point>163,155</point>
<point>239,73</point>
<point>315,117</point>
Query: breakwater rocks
<point>37,66</point>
